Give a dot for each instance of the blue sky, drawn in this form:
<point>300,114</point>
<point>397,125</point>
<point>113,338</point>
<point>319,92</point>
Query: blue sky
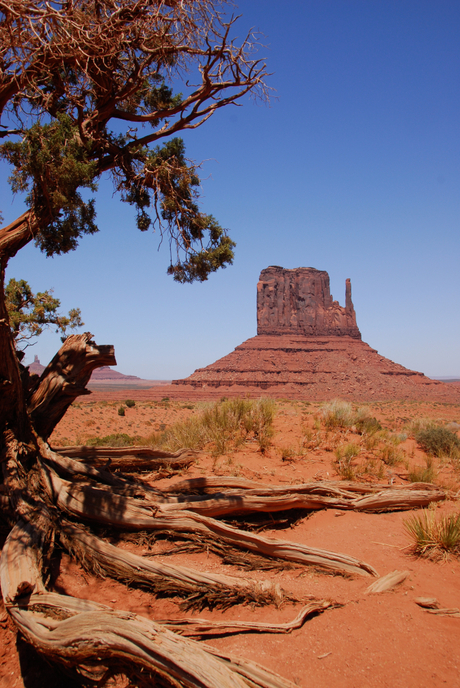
<point>354,168</point>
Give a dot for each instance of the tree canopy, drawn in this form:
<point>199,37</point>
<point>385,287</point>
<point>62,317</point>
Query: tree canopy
<point>89,87</point>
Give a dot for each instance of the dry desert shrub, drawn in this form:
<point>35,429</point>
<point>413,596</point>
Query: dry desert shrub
<point>118,439</point>
<point>390,454</point>
<point>367,425</point>
<point>439,441</point>
<point>225,423</point>
<point>423,474</point>
<point>337,414</point>
<point>434,537</point>
<point>341,414</point>
<point>344,460</point>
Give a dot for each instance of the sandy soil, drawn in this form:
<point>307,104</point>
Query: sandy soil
<point>365,640</point>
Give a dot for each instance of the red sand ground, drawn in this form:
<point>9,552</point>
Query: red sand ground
<point>383,640</point>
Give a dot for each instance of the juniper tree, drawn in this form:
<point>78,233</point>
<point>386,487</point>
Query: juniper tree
<point>88,87</point>
<point>93,87</point>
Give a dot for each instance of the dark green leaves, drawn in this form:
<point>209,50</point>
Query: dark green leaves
<point>52,164</point>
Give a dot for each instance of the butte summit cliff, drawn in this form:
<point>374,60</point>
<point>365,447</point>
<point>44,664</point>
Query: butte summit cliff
<point>309,345</point>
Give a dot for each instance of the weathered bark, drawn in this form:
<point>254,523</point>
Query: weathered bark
<point>203,627</point>
<point>100,506</point>
<point>130,458</point>
<point>211,589</point>
<point>91,633</point>
<point>12,407</point>
<point>64,379</point>
<point>244,496</point>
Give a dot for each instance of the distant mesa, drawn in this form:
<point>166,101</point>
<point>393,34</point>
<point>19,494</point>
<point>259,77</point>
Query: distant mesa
<point>104,374</point>
<point>307,343</point>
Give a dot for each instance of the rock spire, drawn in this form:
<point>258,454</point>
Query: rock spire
<point>300,302</point>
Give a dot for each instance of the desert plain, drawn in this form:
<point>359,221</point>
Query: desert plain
<point>361,639</point>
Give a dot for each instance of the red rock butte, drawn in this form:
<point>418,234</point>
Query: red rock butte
<point>308,345</point>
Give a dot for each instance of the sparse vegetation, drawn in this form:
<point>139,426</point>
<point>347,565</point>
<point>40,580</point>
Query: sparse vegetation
<point>289,453</point>
<point>223,423</point>
<point>423,474</point>
<point>390,455</point>
<point>121,411</point>
<point>439,441</point>
<point>367,425</point>
<point>344,458</point>
<point>337,414</point>
<point>119,439</point>
<point>434,537</point>
<point>130,403</point>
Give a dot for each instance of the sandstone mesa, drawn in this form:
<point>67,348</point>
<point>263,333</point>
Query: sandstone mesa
<point>308,344</point>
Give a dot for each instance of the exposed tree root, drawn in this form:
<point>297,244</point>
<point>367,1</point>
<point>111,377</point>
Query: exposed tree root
<point>203,627</point>
<point>129,458</point>
<point>243,496</point>
<point>198,589</point>
<point>98,505</point>
<point>83,634</point>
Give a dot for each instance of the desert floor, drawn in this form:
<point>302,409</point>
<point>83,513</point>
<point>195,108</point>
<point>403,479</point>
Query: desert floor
<point>371,640</point>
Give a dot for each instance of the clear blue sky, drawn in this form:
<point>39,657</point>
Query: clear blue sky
<point>354,168</point>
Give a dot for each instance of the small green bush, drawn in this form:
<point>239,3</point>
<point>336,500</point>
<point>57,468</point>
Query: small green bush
<point>130,403</point>
<point>439,441</point>
<point>121,410</point>
<point>118,439</point>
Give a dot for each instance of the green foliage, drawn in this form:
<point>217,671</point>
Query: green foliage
<point>130,403</point>
<point>78,109</point>
<point>121,410</point>
<point>434,537</point>
<point>119,439</point>
<point>29,314</point>
<point>51,164</point>
<point>439,441</point>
